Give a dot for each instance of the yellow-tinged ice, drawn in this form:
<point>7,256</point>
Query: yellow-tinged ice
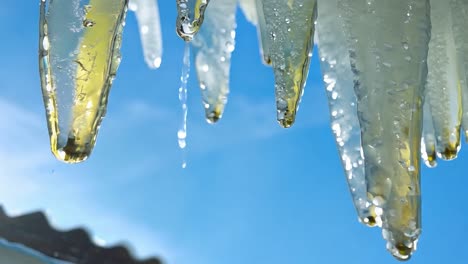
<point>388,43</point>
<point>78,65</point>
<point>290,25</point>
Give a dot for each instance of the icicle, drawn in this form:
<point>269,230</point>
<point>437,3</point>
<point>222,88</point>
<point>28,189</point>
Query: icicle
<point>249,9</point>
<point>388,46</point>
<point>428,141</point>
<point>190,15</point>
<point>213,47</point>
<point>182,133</point>
<point>459,17</point>
<point>291,28</point>
<point>443,92</point>
<point>338,79</point>
<point>263,34</point>
<point>79,56</point>
<point>147,14</point>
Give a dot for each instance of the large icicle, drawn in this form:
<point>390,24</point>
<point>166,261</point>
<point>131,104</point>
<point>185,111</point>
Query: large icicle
<point>443,92</point>
<point>459,17</point>
<point>388,46</point>
<point>291,30</point>
<point>79,56</point>
<point>149,25</point>
<point>338,79</point>
<point>213,47</point>
<point>190,15</point>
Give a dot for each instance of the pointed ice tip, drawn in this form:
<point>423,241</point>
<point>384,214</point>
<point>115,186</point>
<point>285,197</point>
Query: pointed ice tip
<point>155,63</point>
<point>70,157</point>
<point>286,122</point>
<point>401,252</point>
<point>213,116</point>
<point>369,221</point>
<point>449,152</point>
<point>431,163</point>
<point>431,160</point>
<point>72,152</point>
<point>184,36</point>
<point>266,60</point>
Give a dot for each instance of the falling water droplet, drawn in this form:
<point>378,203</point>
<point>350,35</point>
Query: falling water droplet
<point>182,133</point>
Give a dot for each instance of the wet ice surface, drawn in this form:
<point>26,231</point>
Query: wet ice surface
<point>212,50</point>
<point>190,16</point>
<point>443,93</point>
<point>290,27</point>
<point>388,46</point>
<point>149,26</point>
<point>338,80</point>
<point>79,56</point>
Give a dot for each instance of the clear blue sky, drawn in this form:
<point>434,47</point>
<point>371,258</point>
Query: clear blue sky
<point>252,193</point>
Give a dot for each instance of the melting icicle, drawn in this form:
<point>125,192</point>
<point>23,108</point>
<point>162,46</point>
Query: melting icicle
<point>213,47</point>
<point>79,56</point>
<point>389,88</point>
<point>459,18</point>
<point>443,93</point>
<point>147,14</point>
<point>182,133</point>
<point>190,15</point>
<point>428,141</point>
<point>338,79</point>
<point>291,31</point>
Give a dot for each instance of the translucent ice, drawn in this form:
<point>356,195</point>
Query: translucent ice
<point>190,15</point>
<point>459,18</point>
<point>213,46</point>
<point>263,34</point>
<point>290,25</point>
<point>428,141</point>
<point>338,79</point>
<point>78,59</point>
<point>147,14</point>
<point>249,9</point>
<point>443,91</point>
<point>388,45</point>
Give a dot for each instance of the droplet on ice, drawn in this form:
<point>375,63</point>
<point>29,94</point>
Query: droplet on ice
<point>190,16</point>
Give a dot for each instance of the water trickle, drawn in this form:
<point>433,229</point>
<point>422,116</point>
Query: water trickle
<point>182,133</point>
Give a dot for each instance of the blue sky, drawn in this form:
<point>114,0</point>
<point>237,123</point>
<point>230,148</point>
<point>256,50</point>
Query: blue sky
<point>252,192</point>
